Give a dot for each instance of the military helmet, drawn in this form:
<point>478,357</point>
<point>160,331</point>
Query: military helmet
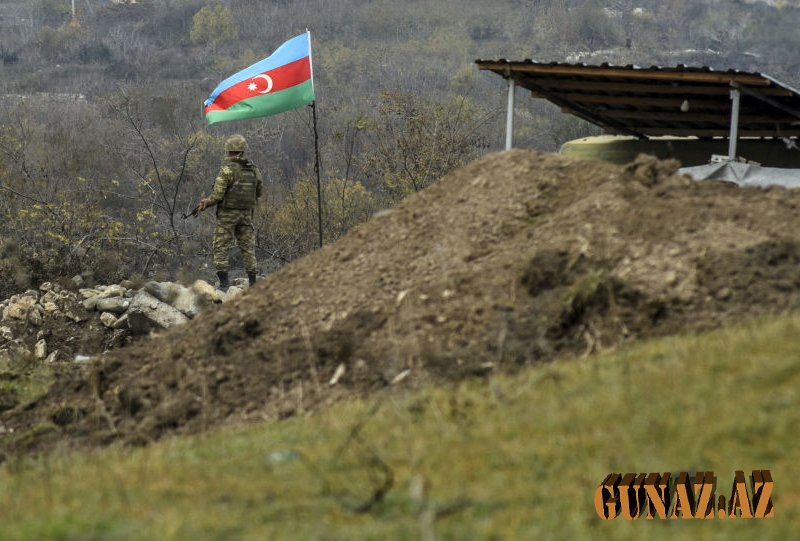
<point>235,143</point>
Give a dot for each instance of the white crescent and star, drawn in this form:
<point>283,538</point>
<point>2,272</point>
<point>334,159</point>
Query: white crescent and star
<point>253,87</point>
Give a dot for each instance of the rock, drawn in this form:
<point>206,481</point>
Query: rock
<point>119,338</point>
<point>188,302</point>
<point>383,213</point>
<point>78,280</point>
<point>35,316</point>
<point>46,287</point>
<point>40,349</point>
<point>240,282</point>
<point>206,292</point>
<point>400,377</point>
<point>122,323</point>
<point>18,309</point>
<point>116,305</point>
<point>52,357</point>
<point>49,296</point>
<point>74,316</point>
<point>401,296</point>
<point>88,293</point>
<point>108,319</point>
<point>232,293</point>
<point>112,291</point>
<point>337,375</point>
<point>159,290</point>
<point>82,358</point>
<point>129,284</point>
<point>146,313</point>
<point>284,456</point>
<point>90,304</point>
<point>50,307</point>
<point>5,334</point>
<point>31,293</point>
<point>180,297</point>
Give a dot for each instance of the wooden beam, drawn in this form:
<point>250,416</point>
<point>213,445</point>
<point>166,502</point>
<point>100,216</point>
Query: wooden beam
<point>584,112</point>
<point>643,88</point>
<point>776,104</point>
<point>747,79</point>
<point>670,103</point>
<point>705,132</point>
<point>695,117</point>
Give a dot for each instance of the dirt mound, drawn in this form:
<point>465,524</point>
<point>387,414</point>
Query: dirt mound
<point>515,259</point>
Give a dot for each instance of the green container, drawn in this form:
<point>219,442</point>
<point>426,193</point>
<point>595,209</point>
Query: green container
<point>689,151</point>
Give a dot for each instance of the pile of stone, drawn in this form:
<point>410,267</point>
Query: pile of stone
<point>124,311</point>
<point>153,307</point>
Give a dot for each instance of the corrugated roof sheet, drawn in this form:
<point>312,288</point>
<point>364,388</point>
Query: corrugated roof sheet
<point>681,100</point>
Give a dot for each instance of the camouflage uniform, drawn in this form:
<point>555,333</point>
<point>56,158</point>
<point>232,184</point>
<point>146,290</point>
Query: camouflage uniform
<point>236,191</point>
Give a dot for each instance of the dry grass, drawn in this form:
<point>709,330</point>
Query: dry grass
<point>510,457</point>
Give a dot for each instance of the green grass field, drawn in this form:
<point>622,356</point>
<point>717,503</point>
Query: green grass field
<point>510,457</point>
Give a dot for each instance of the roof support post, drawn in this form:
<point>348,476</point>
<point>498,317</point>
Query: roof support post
<point>736,97</point>
<point>510,114</point>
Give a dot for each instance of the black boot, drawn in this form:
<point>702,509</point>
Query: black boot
<point>251,276</point>
<point>223,281</point>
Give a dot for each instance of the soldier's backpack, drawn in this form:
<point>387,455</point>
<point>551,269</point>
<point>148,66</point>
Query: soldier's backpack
<point>241,194</point>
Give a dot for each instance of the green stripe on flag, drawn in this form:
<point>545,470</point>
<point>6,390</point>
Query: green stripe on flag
<point>266,105</point>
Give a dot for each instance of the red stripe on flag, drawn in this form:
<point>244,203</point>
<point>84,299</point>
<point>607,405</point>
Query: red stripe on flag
<point>283,77</point>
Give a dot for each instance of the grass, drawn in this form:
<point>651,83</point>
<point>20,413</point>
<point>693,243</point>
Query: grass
<point>25,377</point>
<point>510,457</point>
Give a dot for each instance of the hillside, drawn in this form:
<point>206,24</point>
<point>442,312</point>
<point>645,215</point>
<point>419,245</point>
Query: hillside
<point>513,260</point>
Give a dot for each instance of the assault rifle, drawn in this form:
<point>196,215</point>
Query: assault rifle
<point>194,212</point>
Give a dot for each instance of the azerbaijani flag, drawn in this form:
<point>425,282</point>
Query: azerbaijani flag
<point>282,81</point>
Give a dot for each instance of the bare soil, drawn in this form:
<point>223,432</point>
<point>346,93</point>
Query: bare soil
<point>515,259</point>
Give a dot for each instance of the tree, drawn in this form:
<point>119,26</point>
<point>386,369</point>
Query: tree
<point>159,164</point>
<point>413,143</point>
<point>61,222</point>
<point>213,26</point>
<point>346,204</point>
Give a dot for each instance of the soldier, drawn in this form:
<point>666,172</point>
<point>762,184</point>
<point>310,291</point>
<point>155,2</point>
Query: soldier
<point>236,191</point>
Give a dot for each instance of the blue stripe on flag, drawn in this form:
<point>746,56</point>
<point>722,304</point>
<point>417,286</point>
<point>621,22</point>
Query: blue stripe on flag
<point>292,50</point>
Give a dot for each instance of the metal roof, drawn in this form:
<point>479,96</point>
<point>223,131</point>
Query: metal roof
<point>681,101</point>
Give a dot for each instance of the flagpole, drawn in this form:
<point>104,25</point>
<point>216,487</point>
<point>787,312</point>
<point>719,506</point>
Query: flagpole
<point>316,140</point>
<point>316,169</point>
